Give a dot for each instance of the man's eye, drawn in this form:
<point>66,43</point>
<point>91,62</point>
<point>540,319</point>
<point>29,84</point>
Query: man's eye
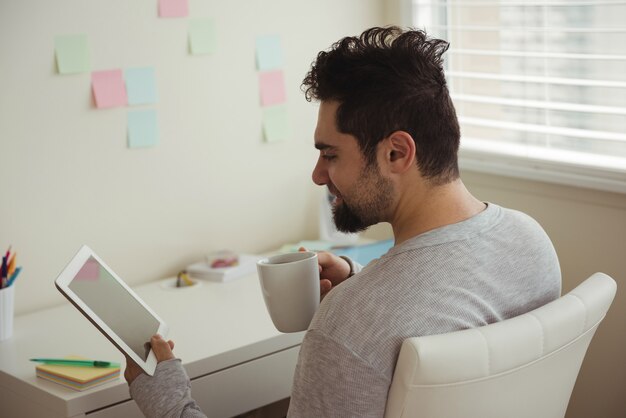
<point>328,157</point>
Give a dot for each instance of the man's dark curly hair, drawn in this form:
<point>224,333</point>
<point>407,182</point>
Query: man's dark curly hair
<point>387,80</point>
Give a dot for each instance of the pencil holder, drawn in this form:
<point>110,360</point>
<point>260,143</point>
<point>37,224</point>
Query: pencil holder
<point>7,296</point>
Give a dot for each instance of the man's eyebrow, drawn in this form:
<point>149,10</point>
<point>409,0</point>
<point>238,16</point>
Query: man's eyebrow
<point>322,146</point>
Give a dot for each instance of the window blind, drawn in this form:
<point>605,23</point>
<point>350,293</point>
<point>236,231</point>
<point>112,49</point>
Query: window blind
<point>539,86</point>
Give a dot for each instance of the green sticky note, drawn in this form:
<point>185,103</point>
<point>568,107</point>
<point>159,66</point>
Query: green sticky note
<point>142,128</point>
<point>275,124</point>
<point>72,54</point>
<point>202,38</point>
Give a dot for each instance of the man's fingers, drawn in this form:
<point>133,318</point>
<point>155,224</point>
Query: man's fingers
<point>328,261</point>
<point>323,257</point>
<point>132,370</point>
<point>162,349</point>
<point>333,267</point>
<point>325,286</point>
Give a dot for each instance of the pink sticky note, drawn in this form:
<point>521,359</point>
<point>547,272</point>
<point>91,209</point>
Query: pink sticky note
<point>272,85</point>
<point>173,8</point>
<point>108,88</point>
<point>89,271</point>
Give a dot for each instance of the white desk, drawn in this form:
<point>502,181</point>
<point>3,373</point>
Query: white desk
<point>236,359</point>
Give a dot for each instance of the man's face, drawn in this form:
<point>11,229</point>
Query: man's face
<point>362,195</point>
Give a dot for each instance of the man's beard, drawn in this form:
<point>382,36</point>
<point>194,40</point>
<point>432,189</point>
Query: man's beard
<point>371,197</point>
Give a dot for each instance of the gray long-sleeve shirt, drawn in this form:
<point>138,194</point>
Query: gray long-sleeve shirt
<point>493,266</point>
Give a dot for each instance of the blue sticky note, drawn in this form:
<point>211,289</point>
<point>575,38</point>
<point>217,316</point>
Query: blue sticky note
<point>142,128</point>
<point>140,85</point>
<point>269,55</point>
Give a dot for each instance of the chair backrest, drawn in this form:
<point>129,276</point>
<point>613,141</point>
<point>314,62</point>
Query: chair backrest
<point>521,367</point>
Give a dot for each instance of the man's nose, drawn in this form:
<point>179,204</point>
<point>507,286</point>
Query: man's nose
<point>320,174</point>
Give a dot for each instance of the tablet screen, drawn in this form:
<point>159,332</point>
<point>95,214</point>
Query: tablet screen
<point>118,309</point>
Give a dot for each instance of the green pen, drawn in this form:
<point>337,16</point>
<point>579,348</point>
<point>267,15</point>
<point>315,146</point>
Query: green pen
<point>81,363</point>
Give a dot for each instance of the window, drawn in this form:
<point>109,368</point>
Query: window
<point>539,86</point>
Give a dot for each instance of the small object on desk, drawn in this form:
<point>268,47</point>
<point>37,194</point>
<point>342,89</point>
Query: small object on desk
<point>4,272</point>
<point>7,302</point>
<point>77,377</point>
<point>246,264</point>
<point>76,362</point>
<point>222,259</point>
<point>8,269</point>
<point>11,264</point>
<point>8,274</point>
<point>183,279</point>
<point>14,276</point>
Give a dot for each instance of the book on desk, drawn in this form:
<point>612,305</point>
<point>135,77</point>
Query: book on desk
<point>77,377</point>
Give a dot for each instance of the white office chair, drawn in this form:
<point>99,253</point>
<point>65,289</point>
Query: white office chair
<point>523,367</point>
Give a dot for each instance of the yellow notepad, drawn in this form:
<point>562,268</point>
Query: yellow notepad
<point>76,377</point>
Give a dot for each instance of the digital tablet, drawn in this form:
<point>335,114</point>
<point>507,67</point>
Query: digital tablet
<point>113,307</point>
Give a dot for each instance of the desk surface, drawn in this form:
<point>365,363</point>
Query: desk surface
<point>214,325</point>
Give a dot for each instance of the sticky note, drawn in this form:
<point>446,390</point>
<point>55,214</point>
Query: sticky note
<point>272,87</point>
<point>142,128</point>
<point>202,36</point>
<point>72,54</point>
<point>90,271</point>
<point>173,8</point>
<point>275,125</point>
<point>108,88</point>
<point>140,85</point>
<point>269,55</point>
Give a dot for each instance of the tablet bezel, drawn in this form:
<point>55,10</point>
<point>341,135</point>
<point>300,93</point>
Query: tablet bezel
<point>62,284</point>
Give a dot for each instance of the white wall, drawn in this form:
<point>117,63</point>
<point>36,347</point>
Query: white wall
<point>68,178</point>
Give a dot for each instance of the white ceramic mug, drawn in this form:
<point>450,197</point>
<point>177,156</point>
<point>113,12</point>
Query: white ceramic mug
<point>291,289</point>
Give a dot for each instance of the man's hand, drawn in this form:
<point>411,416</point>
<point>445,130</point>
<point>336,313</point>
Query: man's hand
<point>333,270</point>
<point>162,351</point>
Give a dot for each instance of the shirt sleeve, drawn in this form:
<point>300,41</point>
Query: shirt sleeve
<point>167,394</point>
<point>354,266</point>
<point>332,381</point>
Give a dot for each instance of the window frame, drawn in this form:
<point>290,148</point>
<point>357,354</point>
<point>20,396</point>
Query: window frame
<point>529,164</point>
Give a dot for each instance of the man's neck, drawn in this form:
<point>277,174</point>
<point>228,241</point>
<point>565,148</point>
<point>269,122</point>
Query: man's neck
<point>431,207</point>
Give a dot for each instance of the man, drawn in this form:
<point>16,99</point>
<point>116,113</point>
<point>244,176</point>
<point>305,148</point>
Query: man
<point>388,138</point>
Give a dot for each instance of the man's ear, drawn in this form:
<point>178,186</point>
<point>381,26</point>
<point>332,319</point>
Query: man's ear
<point>399,151</point>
